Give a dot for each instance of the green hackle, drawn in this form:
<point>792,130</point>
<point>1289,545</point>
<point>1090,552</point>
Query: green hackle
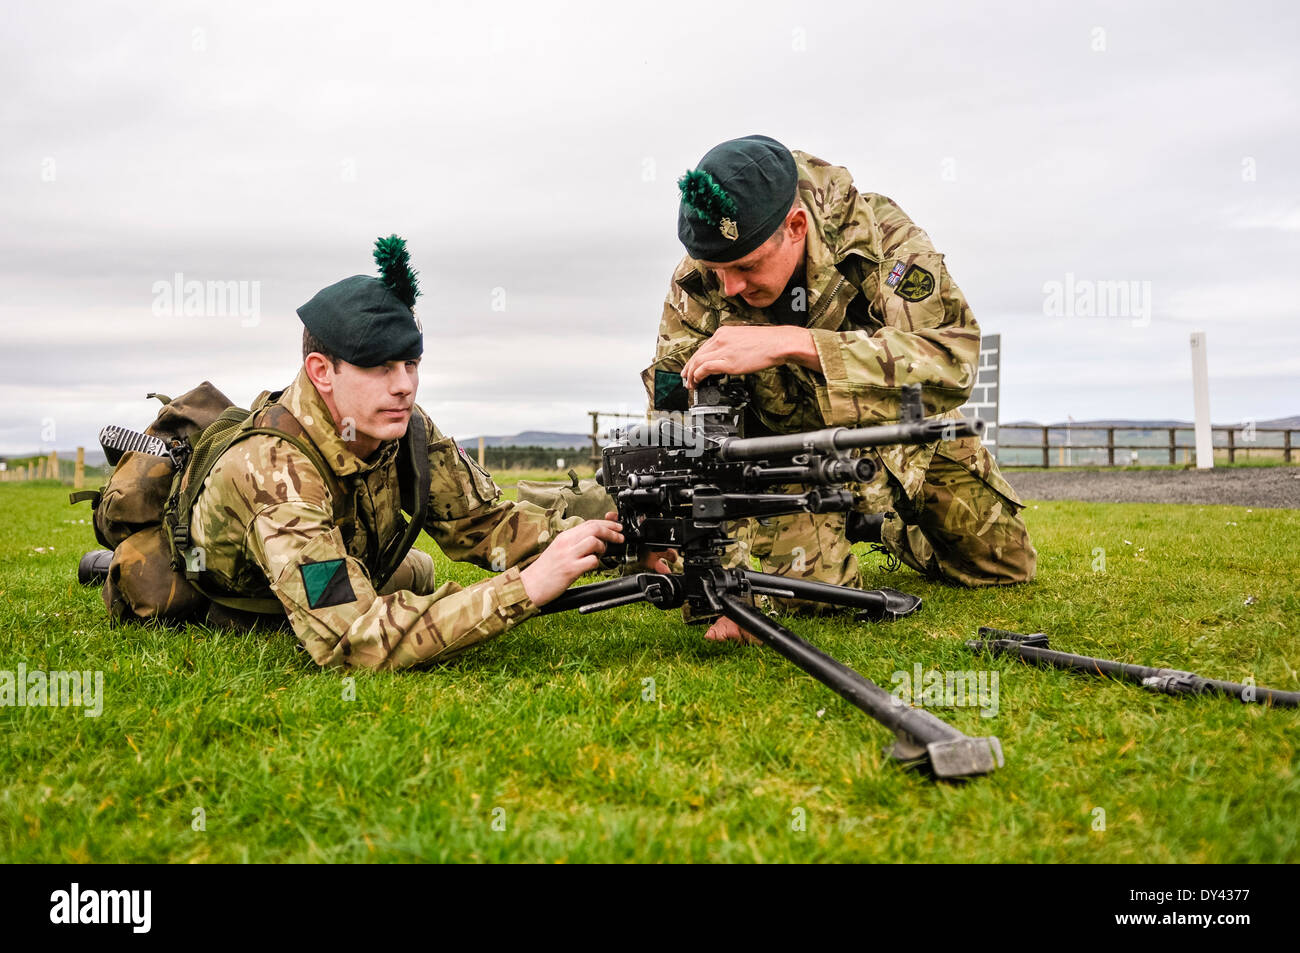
<point>394,263</point>
<point>704,198</point>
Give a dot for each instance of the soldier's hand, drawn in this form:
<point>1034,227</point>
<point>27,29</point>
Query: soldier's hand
<point>657,560</point>
<point>724,630</point>
<point>745,349</point>
<point>572,553</point>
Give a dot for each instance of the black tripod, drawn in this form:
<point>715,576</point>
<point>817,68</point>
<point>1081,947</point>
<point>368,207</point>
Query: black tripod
<point>711,590</point>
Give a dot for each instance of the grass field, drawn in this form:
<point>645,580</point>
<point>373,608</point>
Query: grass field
<point>546,744</point>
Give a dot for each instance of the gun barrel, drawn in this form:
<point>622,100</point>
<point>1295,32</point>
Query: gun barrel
<point>835,439</point>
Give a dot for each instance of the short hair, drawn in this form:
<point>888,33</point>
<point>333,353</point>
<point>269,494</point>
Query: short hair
<point>310,344</point>
<point>778,236</point>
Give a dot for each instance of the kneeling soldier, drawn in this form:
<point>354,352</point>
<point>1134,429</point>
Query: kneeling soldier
<point>830,301</point>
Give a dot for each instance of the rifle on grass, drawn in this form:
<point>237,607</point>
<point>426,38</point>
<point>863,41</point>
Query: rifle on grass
<point>1169,681</point>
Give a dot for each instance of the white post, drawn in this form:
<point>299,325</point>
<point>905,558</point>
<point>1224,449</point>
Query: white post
<point>1201,400</point>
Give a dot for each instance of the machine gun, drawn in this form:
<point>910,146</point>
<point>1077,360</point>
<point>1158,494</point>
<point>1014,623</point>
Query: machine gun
<point>677,485</point>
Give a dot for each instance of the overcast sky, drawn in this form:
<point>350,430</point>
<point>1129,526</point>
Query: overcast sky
<point>528,153</point>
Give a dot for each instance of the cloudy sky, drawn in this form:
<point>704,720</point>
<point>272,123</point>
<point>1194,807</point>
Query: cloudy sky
<point>528,153</point>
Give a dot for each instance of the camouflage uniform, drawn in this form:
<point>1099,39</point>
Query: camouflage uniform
<point>265,515</point>
<point>884,313</point>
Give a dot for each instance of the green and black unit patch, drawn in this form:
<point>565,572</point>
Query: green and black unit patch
<point>917,284</point>
<point>327,583</point>
<point>670,392</point>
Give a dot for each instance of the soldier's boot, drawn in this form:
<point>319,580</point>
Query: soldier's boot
<point>93,568</point>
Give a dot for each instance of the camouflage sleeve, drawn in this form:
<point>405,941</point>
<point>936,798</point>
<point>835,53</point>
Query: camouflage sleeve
<point>685,326</point>
<point>470,521</point>
<point>927,334</point>
<point>327,594</point>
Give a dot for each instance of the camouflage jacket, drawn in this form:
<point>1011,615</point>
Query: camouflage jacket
<point>265,517</point>
<point>883,312</point>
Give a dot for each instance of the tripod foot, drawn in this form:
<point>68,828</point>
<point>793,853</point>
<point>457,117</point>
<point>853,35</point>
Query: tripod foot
<point>949,758</point>
<point>896,605</point>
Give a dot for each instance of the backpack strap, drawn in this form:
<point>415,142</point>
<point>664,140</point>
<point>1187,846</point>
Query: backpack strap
<point>272,419</point>
<point>260,605</point>
<point>414,482</point>
<point>233,425</point>
<point>188,481</point>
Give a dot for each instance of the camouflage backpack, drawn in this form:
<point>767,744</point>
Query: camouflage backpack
<point>585,498</point>
<point>143,512</point>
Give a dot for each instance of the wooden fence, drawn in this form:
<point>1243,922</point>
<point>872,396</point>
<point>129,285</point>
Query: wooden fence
<point>1238,439</point>
<point>72,473</point>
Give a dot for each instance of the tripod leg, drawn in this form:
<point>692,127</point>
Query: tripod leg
<point>921,736</point>
<point>656,588</point>
<point>876,604</point>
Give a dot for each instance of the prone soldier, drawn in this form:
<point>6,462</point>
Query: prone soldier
<point>268,517</point>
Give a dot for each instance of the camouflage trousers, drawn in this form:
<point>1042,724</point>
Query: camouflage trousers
<point>413,574</point>
<point>958,529</point>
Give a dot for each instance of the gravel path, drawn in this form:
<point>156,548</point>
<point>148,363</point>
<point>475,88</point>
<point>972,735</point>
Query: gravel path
<point>1241,486</point>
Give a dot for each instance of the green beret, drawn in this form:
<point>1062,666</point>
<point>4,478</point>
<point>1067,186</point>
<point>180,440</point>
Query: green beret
<point>361,321</point>
<point>736,198</point>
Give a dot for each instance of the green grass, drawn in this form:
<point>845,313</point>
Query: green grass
<point>549,725</point>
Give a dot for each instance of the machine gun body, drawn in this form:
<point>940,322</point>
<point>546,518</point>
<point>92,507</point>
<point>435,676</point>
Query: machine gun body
<point>676,484</point>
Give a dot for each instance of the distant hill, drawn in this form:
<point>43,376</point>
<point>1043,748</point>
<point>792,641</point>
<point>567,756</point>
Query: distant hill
<point>1280,422</point>
<point>533,438</point>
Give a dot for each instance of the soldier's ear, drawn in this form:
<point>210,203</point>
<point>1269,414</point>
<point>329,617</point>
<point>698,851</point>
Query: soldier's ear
<point>797,223</point>
<point>320,370</point>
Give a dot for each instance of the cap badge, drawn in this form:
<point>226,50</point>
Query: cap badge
<point>729,230</point>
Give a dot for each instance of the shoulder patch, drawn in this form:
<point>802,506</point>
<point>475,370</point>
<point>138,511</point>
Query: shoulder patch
<point>896,274</point>
<point>327,583</point>
<point>917,284</point>
<point>670,393</point>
